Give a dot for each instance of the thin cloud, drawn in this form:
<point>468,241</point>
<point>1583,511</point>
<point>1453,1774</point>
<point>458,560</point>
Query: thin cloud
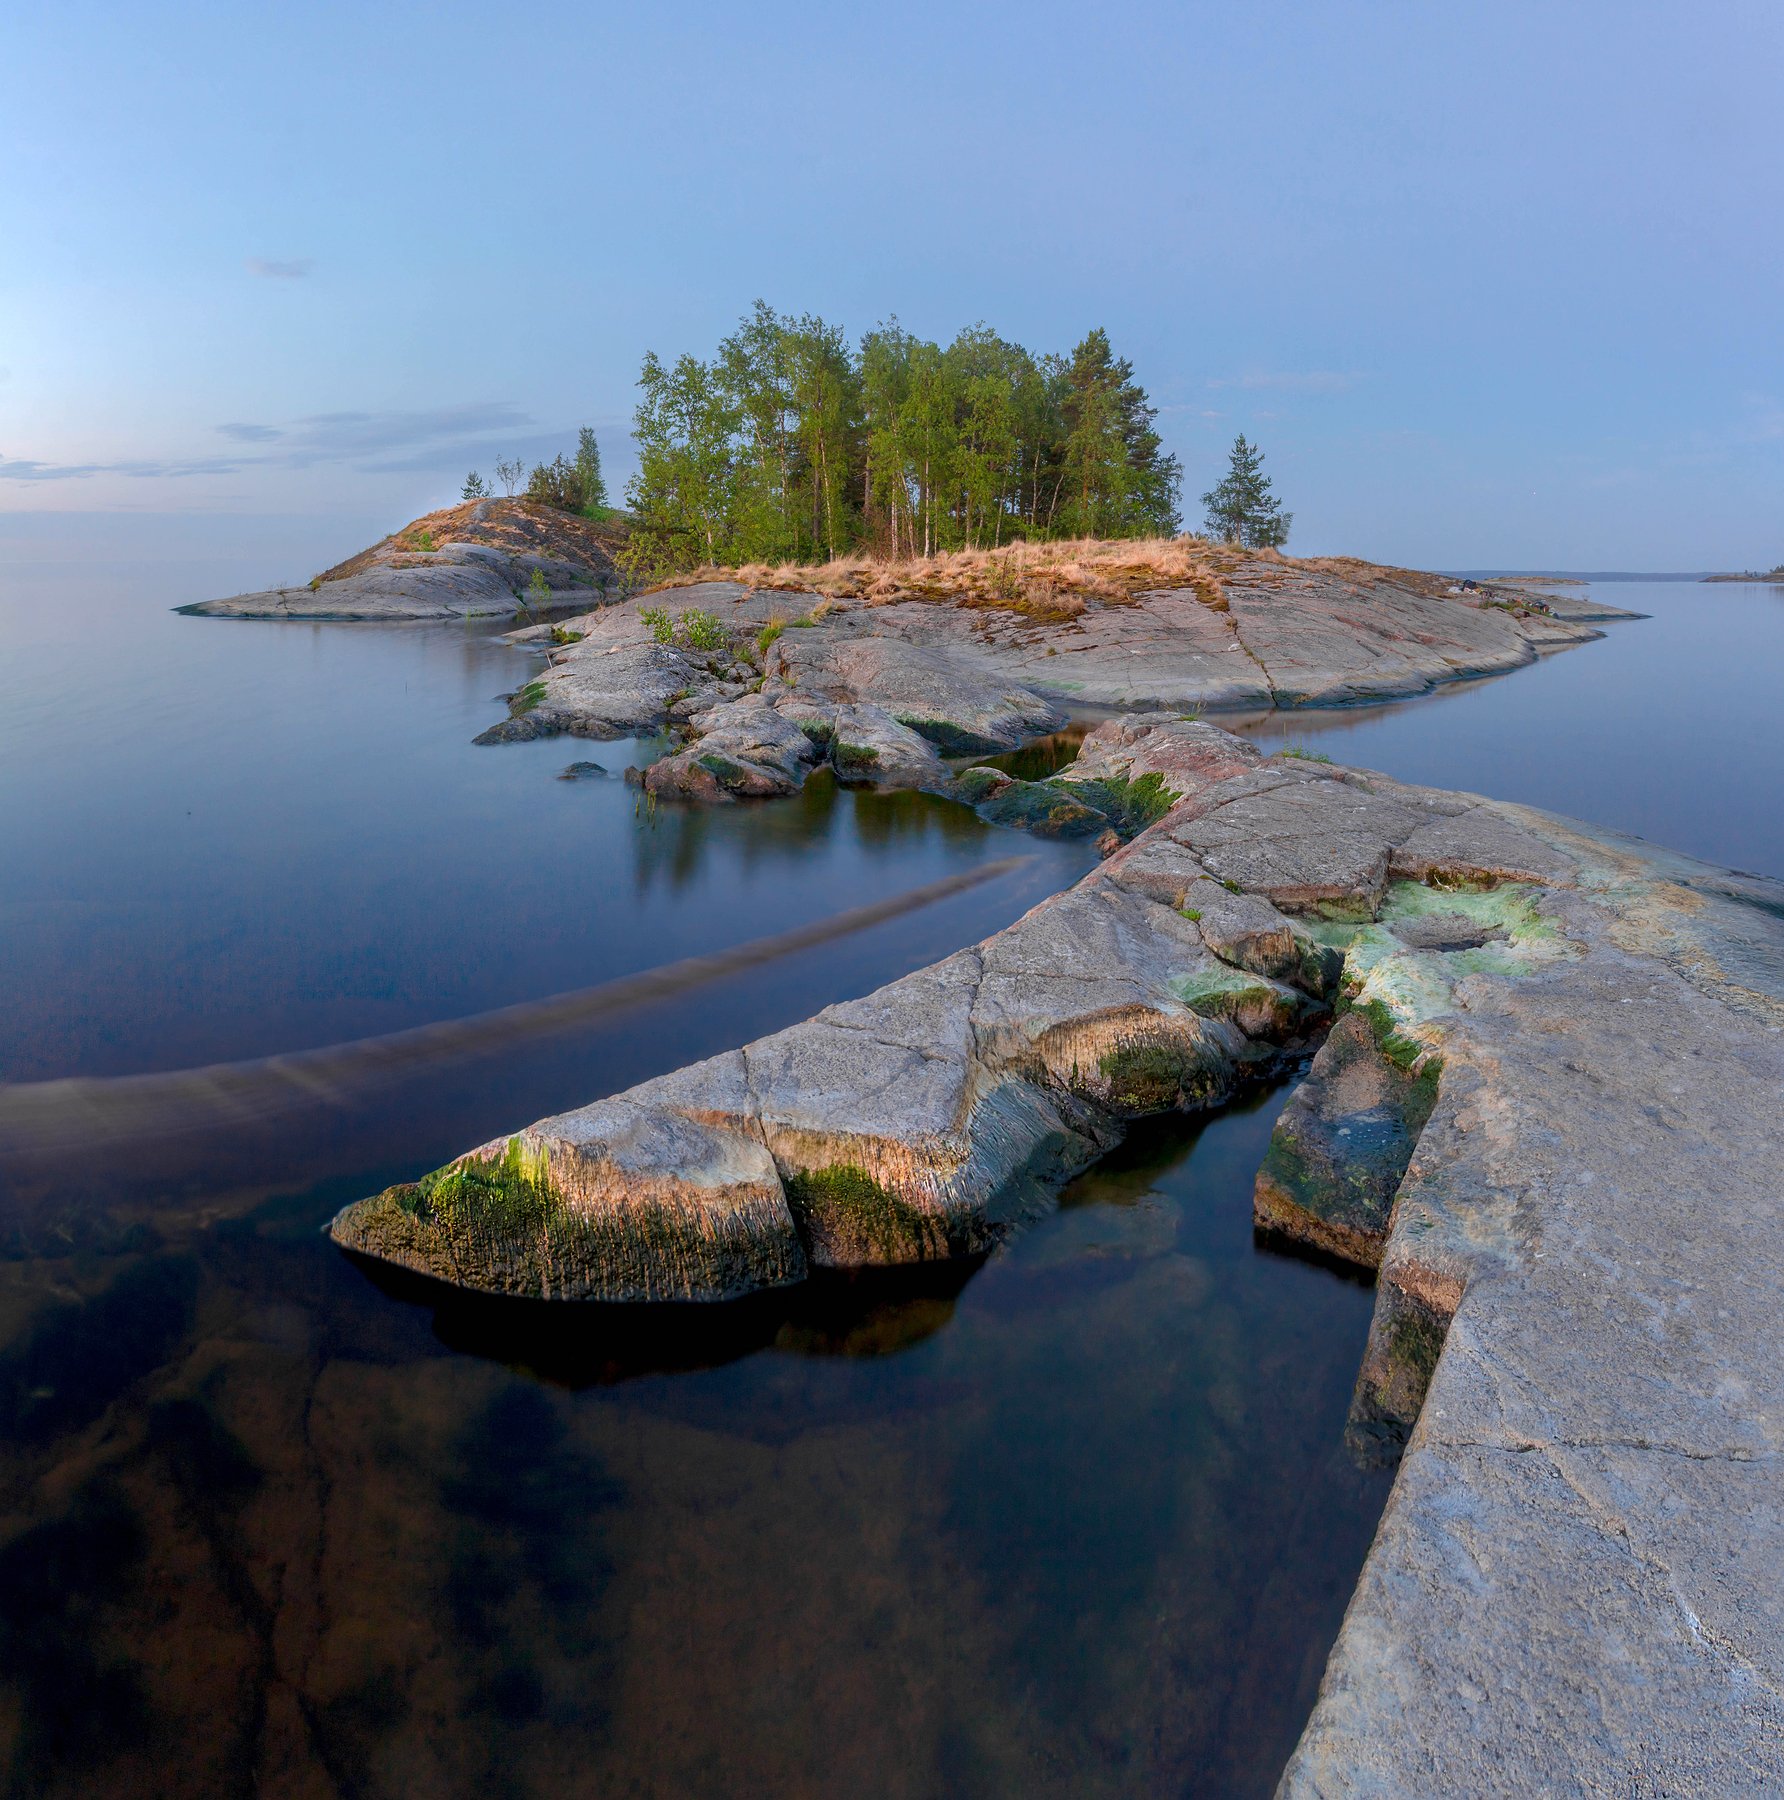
<point>1293,381</point>
<point>270,269</point>
<point>375,442</point>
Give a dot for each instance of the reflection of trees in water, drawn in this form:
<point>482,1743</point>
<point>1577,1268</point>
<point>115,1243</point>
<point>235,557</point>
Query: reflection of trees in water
<point>674,840</point>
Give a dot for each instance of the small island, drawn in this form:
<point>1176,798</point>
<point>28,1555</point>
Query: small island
<point>1775,576</point>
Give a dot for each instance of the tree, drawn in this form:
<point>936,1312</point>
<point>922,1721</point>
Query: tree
<point>1242,509</point>
<point>1118,482</point>
<point>475,488</point>
<point>684,496</point>
<point>509,474</point>
<point>588,468</point>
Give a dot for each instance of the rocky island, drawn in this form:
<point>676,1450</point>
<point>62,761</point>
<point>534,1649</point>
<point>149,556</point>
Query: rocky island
<point>883,671</point>
<point>487,558</point>
<point>1543,1116</point>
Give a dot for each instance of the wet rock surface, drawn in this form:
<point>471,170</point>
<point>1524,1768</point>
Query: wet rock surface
<point>1341,1147</point>
<point>1576,1584</point>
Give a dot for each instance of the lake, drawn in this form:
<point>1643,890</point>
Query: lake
<point>1078,1519</point>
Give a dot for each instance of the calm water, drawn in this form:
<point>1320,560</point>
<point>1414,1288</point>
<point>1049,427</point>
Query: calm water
<point>1075,1521</point>
<point>1668,728</point>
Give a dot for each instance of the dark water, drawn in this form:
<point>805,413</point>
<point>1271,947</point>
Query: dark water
<point>1075,1521</point>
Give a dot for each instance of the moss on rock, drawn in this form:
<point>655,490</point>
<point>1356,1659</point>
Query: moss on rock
<point>847,1218</point>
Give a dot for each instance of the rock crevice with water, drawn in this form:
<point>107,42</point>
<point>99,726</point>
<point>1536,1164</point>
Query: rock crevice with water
<point>1547,1111</point>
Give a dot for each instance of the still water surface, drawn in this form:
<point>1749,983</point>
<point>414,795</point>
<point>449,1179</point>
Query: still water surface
<point>1079,1520</point>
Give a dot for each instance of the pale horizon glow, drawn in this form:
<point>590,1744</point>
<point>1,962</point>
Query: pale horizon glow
<point>1492,289</point>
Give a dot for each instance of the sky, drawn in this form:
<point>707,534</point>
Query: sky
<point>1493,285</point>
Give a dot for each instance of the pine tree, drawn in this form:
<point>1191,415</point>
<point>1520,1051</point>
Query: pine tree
<point>1118,484</point>
<point>1242,509</point>
<point>475,488</point>
<point>588,470</point>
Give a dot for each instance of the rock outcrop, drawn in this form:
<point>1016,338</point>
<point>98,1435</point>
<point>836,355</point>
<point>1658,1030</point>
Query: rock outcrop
<point>971,677</point>
<point>1575,1045</point>
<point>486,558</point>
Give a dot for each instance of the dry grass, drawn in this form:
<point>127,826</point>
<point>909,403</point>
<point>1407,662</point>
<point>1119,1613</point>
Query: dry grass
<point>1048,583</point>
<point>512,525</point>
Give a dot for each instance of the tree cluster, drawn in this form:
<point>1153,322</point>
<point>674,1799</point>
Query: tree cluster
<point>573,486</point>
<point>792,445</point>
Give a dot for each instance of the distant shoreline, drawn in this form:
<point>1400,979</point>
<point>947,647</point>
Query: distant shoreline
<point>1776,578</point>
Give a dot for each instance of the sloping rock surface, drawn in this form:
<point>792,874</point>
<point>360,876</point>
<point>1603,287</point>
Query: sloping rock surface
<point>1578,1583</point>
<point>470,561</point>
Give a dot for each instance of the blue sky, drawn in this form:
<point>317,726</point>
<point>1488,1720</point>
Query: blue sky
<point>1492,284</point>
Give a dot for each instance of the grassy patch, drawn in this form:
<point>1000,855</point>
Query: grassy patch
<point>950,739</point>
<point>527,698</point>
<point>769,633</point>
<point>561,635</point>
<point>854,759</point>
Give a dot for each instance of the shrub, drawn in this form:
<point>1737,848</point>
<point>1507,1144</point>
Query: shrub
<point>661,626</point>
<point>703,632</point>
<point>769,633</point>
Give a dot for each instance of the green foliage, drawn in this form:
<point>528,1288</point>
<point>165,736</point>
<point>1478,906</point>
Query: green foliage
<point>1118,483</point>
<point>1241,508</point>
<point>658,622</point>
<point>588,473</point>
<point>702,631</point>
<point>769,633</point>
<point>475,488</point>
<point>1302,754</point>
<point>561,634</point>
<point>854,759</point>
<point>1152,1077</point>
<point>423,540</point>
<point>1130,804</point>
<point>527,698</point>
<point>789,446</point>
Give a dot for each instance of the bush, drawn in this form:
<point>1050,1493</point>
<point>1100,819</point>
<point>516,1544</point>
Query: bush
<point>703,631</point>
<point>662,627</point>
<point>559,483</point>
